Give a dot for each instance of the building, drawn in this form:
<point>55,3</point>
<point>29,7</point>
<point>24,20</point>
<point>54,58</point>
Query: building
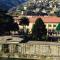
<point>35,7</point>
<point>51,22</point>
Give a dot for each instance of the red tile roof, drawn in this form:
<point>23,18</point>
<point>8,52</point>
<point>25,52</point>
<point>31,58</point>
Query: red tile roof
<point>46,19</point>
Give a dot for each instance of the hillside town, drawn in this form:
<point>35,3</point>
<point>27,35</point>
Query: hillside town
<point>38,8</point>
<point>31,31</point>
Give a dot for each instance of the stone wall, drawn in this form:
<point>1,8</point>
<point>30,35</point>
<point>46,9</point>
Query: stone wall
<point>41,51</point>
<point>37,51</point>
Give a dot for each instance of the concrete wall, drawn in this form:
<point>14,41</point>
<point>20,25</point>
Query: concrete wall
<point>40,51</point>
<point>37,51</point>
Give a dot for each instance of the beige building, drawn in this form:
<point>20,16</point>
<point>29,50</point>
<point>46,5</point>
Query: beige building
<point>51,22</point>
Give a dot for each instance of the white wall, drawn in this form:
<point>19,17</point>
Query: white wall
<point>47,26</point>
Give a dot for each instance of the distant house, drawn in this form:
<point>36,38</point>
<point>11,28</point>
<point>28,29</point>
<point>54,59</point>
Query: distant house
<point>51,22</point>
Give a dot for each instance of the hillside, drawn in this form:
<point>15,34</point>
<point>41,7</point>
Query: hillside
<point>39,7</point>
<point>8,4</point>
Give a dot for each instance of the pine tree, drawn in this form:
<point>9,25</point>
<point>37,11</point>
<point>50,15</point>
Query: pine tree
<point>39,30</point>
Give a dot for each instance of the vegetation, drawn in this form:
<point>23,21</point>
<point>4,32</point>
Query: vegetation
<point>24,21</point>
<point>58,27</point>
<point>57,13</point>
<point>39,30</point>
<point>37,7</point>
<point>7,23</point>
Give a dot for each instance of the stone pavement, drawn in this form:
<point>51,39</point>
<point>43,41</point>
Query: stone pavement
<point>12,39</point>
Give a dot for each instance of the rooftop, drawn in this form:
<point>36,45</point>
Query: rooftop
<point>46,19</point>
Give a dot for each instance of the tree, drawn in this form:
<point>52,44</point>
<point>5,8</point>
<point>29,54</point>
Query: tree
<point>13,26</point>
<point>39,30</point>
<point>7,27</point>
<point>58,27</point>
<point>7,23</point>
<point>57,13</point>
<point>2,12</point>
<point>4,18</point>
<point>24,21</point>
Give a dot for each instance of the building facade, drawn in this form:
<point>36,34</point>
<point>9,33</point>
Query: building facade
<point>51,22</point>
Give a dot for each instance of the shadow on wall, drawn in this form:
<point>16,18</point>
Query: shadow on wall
<point>15,59</point>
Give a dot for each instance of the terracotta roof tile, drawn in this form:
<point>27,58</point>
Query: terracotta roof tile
<point>46,19</point>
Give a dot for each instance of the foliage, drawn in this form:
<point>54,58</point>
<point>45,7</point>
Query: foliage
<point>6,18</point>
<point>7,23</point>
<point>24,21</point>
<point>58,27</point>
<point>11,27</point>
<point>21,8</point>
<point>57,13</point>
<point>7,27</point>
<point>39,30</point>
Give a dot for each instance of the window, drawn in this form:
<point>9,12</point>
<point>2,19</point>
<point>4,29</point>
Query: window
<point>49,25</point>
<point>54,25</point>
